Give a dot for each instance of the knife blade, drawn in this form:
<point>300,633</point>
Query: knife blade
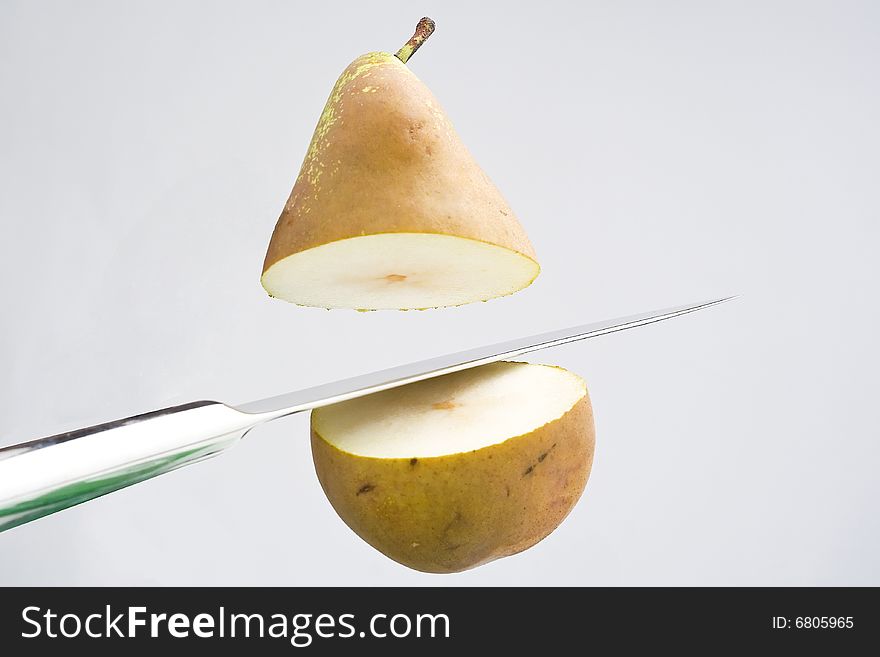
<point>49,474</point>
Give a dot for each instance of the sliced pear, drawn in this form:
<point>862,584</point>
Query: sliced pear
<point>390,210</point>
<point>399,271</point>
<point>450,473</point>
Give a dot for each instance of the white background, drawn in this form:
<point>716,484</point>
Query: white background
<point>657,154</point>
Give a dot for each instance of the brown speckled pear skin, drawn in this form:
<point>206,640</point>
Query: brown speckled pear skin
<point>385,159</point>
<point>450,513</point>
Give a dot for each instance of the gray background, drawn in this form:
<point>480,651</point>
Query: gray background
<point>657,153</point>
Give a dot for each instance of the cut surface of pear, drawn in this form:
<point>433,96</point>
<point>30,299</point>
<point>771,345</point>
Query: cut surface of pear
<point>452,472</point>
<point>390,210</point>
<point>451,414</point>
<point>399,271</point>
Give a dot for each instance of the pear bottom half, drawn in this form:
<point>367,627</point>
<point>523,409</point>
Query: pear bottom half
<point>449,473</point>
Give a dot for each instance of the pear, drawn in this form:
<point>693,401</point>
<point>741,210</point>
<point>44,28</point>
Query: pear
<point>390,210</point>
<point>450,473</point>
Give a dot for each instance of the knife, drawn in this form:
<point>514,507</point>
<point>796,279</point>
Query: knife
<point>50,474</point>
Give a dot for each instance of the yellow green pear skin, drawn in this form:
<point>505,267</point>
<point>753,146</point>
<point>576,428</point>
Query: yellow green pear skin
<point>385,159</point>
<point>447,514</point>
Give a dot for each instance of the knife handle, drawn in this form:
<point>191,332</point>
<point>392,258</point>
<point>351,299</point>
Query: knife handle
<point>50,474</point>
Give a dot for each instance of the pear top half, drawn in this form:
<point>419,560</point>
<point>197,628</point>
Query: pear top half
<point>385,158</point>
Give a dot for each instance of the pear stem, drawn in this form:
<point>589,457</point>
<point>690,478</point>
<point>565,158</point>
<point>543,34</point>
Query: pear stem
<point>424,29</point>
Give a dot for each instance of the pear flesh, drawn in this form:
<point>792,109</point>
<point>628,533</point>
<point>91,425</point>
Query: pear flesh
<point>390,210</point>
<point>449,473</point>
<point>398,271</point>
